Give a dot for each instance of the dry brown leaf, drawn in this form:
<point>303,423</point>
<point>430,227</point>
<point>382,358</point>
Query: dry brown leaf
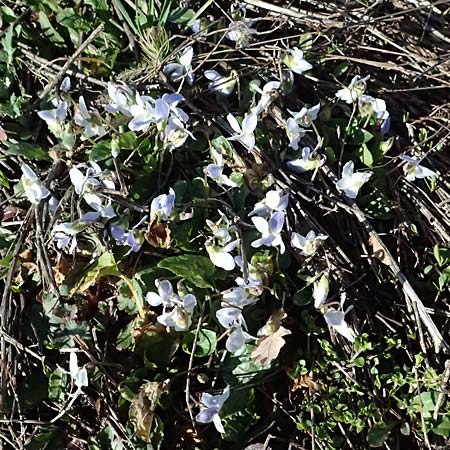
<point>142,408</point>
<point>62,268</point>
<point>269,347</point>
<point>158,234</point>
<point>305,382</point>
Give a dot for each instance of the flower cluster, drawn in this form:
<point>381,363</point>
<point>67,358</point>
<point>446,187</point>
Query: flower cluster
<point>177,312</point>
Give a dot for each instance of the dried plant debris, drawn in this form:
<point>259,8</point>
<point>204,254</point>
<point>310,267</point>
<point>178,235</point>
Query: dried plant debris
<point>224,225</point>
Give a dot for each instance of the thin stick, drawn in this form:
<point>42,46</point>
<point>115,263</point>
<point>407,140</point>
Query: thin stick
<point>188,376</point>
<point>66,66</point>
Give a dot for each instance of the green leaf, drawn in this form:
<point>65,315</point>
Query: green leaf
<point>52,440</point>
<point>126,16</point>
<point>98,5</point>
<point>443,429</point>
<point>100,151</point>
<point>425,403</point>
<point>206,342</point>
<point>32,390</point>
<point>125,299</point>
<point>359,361</point>
<point>125,339</point>
<point>341,68</point>
<point>194,269</point>
<point>442,255</point>
<point>49,30</point>
<point>240,369</point>
<point>365,156</point>
<point>238,414</point>
<point>158,349</point>
<point>28,151</point>
<point>444,278</point>
<point>57,383</point>
<point>128,140</point>
<point>358,136</point>
<point>7,45</point>
<point>377,435</point>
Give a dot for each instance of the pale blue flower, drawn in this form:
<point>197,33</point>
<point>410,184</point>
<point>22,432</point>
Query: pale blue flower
<point>270,231</point>
<point>162,206</point>
<point>65,85</point>
<point>182,69</point>
<point>274,201</point>
<point>165,295</point>
<point>212,404</point>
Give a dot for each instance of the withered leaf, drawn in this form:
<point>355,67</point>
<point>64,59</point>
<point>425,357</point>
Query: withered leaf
<point>142,408</point>
<point>158,234</point>
<point>306,382</point>
<point>269,347</point>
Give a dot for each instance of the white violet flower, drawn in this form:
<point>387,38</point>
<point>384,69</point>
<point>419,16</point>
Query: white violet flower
<point>221,256</point>
<point>351,182</point>
<point>240,32</point>
<point>369,105</point>
<point>215,171</point>
<point>295,61</point>
<point>180,317</point>
<point>294,132</point>
<point>54,118</point>
<point>275,200</point>
<point>412,169</point>
<point>79,374</point>
<point>92,125</point>
<point>182,69</point>
<point>33,187</point>
<point>320,291</point>
<point>310,160</point>
<point>306,116</point>
<point>165,295</point>
<point>335,318</point>
<point>221,84</point>
<point>268,95</point>
<point>244,134</point>
<point>354,90</point>
<point>308,244</point>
